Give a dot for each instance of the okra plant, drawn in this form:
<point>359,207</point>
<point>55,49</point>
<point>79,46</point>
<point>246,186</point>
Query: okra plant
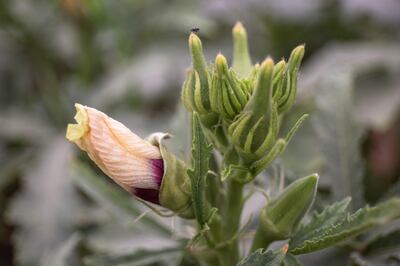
<point>236,115</point>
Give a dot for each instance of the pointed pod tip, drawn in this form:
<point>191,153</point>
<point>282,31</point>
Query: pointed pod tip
<point>299,50</point>
<point>220,59</point>
<point>268,62</point>
<point>311,179</point>
<point>238,24</point>
<point>300,47</point>
<point>238,28</point>
<point>280,66</point>
<point>314,178</point>
<point>267,65</point>
<point>194,40</point>
<point>221,63</point>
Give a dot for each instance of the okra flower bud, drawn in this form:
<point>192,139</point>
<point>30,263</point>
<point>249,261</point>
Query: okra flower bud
<point>196,88</point>
<point>228,93</point>
<point>255,130</point>
<point>241,56</point>
<point>142,167</point>
<point>285,87</point>
<point>282,216</point>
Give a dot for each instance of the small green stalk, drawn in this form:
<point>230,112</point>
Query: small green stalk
<point>232,217</point>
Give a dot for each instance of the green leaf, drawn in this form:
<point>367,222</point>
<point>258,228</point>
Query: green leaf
<point>291,260</point>
<point>201,152</point>
<point>118,202</point>
<point>141,257</point>
<point>262,257</point>
<point>320,221</point>
<point>339,230</point>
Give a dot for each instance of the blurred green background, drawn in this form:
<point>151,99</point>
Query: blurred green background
<point>128,59</point>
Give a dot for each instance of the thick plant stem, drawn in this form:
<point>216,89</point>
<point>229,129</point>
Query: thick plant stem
<point>233,211</point>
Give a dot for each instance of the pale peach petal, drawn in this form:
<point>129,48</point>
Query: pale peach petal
<point>130,141</point>
<point>124,167</point>
<point>119,153</point>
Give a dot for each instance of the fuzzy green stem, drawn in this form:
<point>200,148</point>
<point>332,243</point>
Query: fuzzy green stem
<point>233,212</point>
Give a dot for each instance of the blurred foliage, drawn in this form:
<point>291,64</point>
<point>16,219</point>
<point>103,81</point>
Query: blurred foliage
<point>128,58</point>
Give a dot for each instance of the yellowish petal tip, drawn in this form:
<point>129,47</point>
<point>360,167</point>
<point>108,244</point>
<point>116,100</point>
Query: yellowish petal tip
<point>220,59</point>
<point>238,28</point>
<point>267,64</point>
<point>299,49</point>
<point>281,63</point>
<point>77,131</point>
<point>74,132</point>
<point>194,40</point>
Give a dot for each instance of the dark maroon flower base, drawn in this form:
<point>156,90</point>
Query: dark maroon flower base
<point>152,195</point>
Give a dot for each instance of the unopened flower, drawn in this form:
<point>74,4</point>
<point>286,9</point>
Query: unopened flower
<point>133,163</point>
<point>282,215</point>
<point>142,167</point>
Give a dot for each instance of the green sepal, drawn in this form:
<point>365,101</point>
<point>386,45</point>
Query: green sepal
<point>200,95</point>
<point>239,127</point>
<point>192,94</point>
<point>295,127</point>
<point>261,100</point>
<point>273,132</point>
<point>175,190</point>
<point>287,92</point>
<point>282,216</point>
<point>204,79</point>
<point>250,82</point>
<point>258,166</point>
<point>228,94</point>
<point>256,128</point>
<point>278,77</point>
<point>187,93</point>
